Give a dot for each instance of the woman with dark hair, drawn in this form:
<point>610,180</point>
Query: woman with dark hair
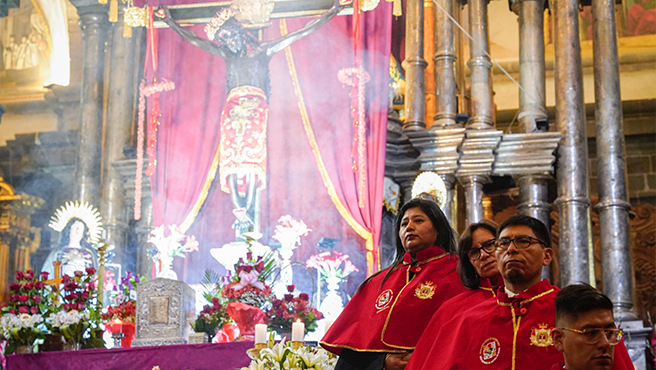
<point>74,250</point>
<point>383,321</point>
<point>478,271</point>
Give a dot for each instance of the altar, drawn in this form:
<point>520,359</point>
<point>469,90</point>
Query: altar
<point>220,356</point>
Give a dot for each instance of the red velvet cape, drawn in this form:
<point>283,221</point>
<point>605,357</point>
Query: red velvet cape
<point>392,317</point>
<point>450,310</point>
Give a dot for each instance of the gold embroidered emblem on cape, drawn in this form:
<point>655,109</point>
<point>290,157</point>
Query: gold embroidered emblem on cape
<point>384,299</point>
<point>541,336</point>
<point>425,290</point>
<point>489,351</point>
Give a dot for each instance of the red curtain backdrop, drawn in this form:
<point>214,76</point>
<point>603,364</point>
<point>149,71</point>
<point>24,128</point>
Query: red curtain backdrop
<point>301,172</point>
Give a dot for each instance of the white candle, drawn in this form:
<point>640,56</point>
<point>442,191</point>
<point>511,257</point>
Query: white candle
<point>260,333</point>
<point>298,331</point>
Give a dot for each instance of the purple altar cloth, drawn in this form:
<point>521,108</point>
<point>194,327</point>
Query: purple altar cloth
<point>222,356</point>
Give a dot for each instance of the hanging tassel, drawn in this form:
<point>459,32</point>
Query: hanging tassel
<point>127,31</point>
<point>397,8</point>
<point>102,2</point>
<point>113,11</point>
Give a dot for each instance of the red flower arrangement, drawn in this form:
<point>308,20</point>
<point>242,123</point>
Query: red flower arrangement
<point>284,312</point>
<point>125,312</point>
<point>248,286</point>
<point>211,318</point>
<point>28,294</point>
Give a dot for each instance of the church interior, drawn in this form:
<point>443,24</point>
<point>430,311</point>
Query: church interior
<point>180,158</point>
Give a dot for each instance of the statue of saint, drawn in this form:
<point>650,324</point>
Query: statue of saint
<point>80,228</point>
<point>244,116</point>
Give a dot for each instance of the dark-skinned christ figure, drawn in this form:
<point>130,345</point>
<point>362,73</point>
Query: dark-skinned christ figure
<point>243,152</point>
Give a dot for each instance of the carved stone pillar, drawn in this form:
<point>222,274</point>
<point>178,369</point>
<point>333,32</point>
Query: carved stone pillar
<point>479,67</point>
<point>445,58</point>
<point>120,117</point>
<point>473,185</point>
<point>414,65</point>
<point>93,21</point>
<point>401,162</point>
<point>572,172</point>
<point>533,189</point>
<point>429,71</point>
<point>613,207</point>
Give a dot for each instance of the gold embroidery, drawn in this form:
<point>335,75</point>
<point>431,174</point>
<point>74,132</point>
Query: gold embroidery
<point>425,290</point>
<point>541,336</point>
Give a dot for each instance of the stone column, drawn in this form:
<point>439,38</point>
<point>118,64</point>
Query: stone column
<point>414,65</point>
<point>473,185</point>
<point>479,67</point>
<point>93,21</point>
<point>445,58</point>
<point>613,207</point>
<point>572,172</point>
<point>429,71</point>
<point>449,209</point>
<point>533,189</point>
<point>120,117</point>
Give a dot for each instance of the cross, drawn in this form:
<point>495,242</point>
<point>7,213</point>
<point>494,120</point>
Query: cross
<point>54,282</point>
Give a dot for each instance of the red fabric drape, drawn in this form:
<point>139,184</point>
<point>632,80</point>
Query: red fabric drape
<point>189,134</point>
<point>328,116</point>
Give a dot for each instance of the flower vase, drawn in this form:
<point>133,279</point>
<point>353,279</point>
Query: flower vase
<point>332,305</point>
<point>24,348</point>
<point>286,272</point>
<point>285,333</point>
<point>166,269</point>
<point>72,346</point>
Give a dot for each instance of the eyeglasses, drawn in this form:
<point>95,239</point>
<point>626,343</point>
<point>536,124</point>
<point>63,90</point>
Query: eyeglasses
<point>521,242</point>
<point>488,246</point>
<point>592,336</point>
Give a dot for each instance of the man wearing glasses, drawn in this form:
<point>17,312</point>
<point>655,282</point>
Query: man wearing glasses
<point>513,330</point>
<point>585,330</point>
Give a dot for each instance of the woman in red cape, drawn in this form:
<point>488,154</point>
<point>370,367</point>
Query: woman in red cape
<point>381,324</point>
<point>478,271</point>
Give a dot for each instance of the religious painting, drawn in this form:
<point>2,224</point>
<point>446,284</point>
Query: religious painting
<point>26,47</point>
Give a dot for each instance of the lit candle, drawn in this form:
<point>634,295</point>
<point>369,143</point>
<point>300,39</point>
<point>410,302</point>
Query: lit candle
<point>260,333</point>
<point>118,323</point>
<point>298,331</point>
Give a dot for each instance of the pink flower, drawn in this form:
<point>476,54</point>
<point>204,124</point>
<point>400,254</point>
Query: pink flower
<point>20,275</point>
<point>66,279</point>
<point>289,297</point>
<point>13,298</point>
<point>67,306</point>
<point>34,310</point>
<point>23,298</point>
<point>84,295</point>
<point>36,299</point>
<point>23,309</point>
<point>13,311</point>
<point>78,273</point>
<point>80,306</point>
<point>15,287</point>
<point>90,270</point>
<point>304,297</point>
<point>39,285</point>
<point>29,274</point>
<point>28,286</point>
<point>290,288</point>
<point>44,275</point>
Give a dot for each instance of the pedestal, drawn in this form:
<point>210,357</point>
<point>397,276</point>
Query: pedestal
<point>164,309</point>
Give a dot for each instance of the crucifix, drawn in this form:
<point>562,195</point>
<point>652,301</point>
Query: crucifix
<point>54,282</point>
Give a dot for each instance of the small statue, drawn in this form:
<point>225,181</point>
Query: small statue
<point>245,114</point>
<point>80,228</point>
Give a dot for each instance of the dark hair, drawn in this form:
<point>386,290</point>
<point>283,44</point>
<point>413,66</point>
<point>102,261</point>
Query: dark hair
<point>577,299</point>
<point>236,30</point>
<point>446,236</point>
<point>468,275</point>
<point>539,229</point>
<point>66,234</point>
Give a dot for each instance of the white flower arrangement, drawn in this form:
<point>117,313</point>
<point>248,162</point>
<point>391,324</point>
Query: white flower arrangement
<point>289,231</point>
<point>11,323</point>
<point>282,356</point>
<point>72,317</point>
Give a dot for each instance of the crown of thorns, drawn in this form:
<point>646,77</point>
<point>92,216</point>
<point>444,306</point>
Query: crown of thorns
<point>217,21</point>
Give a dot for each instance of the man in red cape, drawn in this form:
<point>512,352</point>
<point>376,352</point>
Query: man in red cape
<point>513,331</point>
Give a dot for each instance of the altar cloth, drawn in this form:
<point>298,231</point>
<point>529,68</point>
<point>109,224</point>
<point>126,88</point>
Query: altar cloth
<point>218,356</point>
